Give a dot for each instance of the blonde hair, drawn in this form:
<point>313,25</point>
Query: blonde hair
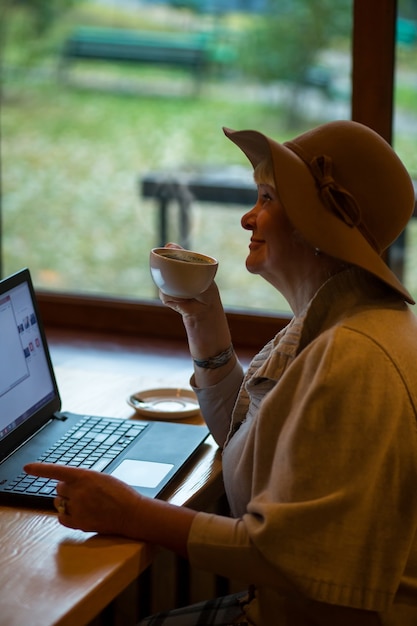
<point>263,173</point>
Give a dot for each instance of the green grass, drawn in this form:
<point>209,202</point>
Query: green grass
<point>72,160</point>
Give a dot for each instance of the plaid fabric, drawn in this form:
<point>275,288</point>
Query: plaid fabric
<point>226,611</point>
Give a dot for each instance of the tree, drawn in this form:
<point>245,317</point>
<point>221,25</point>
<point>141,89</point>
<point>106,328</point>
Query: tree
<point>284,44</point>
<point>24,24</point>
<point>408,9</point>
<point>41,13</point>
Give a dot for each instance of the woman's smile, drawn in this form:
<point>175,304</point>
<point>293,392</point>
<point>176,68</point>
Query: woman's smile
<point>255,243</point>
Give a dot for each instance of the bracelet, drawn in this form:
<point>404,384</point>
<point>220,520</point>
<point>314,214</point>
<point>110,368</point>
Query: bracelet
<point>214,362</point>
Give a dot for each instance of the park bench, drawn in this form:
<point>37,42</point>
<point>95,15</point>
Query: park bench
<point>193,52</point>
<point>231,185</point>
<point>198,53</point>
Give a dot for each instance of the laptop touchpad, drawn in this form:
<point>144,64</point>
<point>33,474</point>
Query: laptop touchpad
<point>141,473</point>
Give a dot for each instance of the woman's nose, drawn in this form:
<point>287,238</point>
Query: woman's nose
<point>248,219</point>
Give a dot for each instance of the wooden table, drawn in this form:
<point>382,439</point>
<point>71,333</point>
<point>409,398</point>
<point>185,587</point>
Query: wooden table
<point>50,575</point>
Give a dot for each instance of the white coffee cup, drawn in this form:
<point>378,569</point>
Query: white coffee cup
<point>182,273</point>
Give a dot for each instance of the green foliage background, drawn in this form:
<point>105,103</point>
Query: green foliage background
<point>74,150</point>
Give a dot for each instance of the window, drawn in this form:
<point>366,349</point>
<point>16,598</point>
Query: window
<point>78,138</point>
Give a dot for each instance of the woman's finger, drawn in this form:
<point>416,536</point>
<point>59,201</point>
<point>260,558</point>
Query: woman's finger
<point>63,473</point>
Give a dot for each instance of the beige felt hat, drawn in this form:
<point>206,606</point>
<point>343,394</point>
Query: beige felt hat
<point>343,188</point>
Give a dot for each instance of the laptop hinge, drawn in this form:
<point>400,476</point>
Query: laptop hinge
<point>59,416</point>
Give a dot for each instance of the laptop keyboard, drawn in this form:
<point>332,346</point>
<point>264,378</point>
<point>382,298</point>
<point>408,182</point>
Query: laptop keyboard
<point>92,443</point>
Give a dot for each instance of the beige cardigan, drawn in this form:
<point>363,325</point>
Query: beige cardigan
<point>320,466</point>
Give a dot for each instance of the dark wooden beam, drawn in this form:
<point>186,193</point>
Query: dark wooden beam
<point>373,64</point>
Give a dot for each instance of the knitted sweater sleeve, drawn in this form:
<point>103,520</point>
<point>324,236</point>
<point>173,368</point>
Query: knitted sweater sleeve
<point>217,402</point>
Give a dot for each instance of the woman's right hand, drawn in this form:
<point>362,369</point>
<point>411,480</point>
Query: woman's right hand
<point>193,307</point>
<point>204,320</point>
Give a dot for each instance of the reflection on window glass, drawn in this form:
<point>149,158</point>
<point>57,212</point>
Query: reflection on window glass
<point>405,127</point>
<point>101,97</point>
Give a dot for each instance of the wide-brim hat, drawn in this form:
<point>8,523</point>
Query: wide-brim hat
<point>343,188</point>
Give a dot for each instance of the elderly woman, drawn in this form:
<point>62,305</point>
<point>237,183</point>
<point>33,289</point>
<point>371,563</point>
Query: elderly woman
<point>319,437</point>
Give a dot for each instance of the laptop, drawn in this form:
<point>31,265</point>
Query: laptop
<point>144,454</point>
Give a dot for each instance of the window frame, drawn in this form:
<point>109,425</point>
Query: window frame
<point>373,66</point>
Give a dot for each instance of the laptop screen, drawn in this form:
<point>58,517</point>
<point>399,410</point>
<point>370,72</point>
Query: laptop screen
<point>26,384</point>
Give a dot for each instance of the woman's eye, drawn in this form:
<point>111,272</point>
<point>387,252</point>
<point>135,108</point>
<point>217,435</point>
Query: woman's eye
<point>266,197</point>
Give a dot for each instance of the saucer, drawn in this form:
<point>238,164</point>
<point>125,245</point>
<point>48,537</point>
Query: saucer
<point>165,403</point>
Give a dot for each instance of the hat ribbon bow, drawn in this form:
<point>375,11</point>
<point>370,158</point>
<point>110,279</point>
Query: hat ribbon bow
<point>334,196</point>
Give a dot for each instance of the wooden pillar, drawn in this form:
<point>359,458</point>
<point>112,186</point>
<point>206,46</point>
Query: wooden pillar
<point>373,64</point>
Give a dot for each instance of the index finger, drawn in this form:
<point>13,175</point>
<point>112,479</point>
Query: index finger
<point>171,244</point>
<point>52,470</point>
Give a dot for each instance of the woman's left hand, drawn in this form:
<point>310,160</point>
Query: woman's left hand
<point>97,502</point>
<point>92,501</point>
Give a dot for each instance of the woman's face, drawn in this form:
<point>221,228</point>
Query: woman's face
<point>271,247</point>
